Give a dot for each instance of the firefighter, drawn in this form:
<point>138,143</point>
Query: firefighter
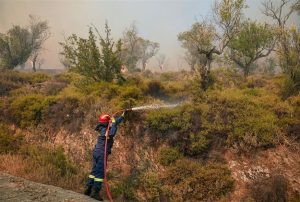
<point>96,176</point>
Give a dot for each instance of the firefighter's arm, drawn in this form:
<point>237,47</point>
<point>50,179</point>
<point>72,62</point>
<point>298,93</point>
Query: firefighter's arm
<point>97,127</point>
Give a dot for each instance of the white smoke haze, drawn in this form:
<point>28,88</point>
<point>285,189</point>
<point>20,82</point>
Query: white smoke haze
<point>157,20</point>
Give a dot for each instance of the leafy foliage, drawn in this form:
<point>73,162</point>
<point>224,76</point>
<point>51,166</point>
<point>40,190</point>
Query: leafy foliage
<point>84,56</point>
<point>269,189</point>
<point>27,110</point>
<point>170,120</point>
<point>8,142</point>
<point>168,155</point>
<point>15,47</point>
<point>151,185</point>
<point>253,41</point>
<point>53,160</point>
<point>18,44</point>
<point>189,180</point>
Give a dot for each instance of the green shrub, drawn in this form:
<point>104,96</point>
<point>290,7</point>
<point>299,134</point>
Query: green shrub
<point>10,80</point>
<point>188,180</point>
<point>271,189</point>
<point>27,110</point>
<point>8,142</point>
<point>66,113</point>
<point>290,88</point>
<point>168,120</point>
<point>151,186</point>
<point>130,96</point>
<point>227,77</point>
<point>68,77</point>
<point>53,160</point>
<point>38,78</point>
<point>198,144</point>
<point>247,121</point>
<point>127,187</point>
<point>168,155</point>
<point>155,89</point>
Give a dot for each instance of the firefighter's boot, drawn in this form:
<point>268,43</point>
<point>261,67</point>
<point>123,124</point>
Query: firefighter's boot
<point>96,194</point>
<point>88,190</point>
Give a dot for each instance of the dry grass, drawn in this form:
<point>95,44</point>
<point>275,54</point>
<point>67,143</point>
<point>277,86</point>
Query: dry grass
<point>27,168</point>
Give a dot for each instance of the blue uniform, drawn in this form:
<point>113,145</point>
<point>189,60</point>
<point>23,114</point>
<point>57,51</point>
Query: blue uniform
<point>97,175</point>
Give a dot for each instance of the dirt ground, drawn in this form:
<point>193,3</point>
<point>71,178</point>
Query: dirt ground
<point>16,189</point>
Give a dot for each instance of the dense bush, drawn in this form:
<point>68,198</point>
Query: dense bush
<point>271,189</point>
<point>188,180</point>
<point>167,120</point>
<point>168,155</point>
<point>130,97</point>
<point>52,160</point>
<point>127,188</point>
<point>199,143</point>
<point>151,185</point>
<point>65,113</point>
<point>155,89</point>
<point>27,110</point>
<point>9,142</point>
<point>244,118</point>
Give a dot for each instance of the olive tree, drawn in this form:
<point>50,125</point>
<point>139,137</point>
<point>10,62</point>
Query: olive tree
<point>19,44</point>
<point>131,47</point>
<point>252,42</point>
<point>148,49</point>
<point>287,47</point>
<point>15,47</point>
<point>40,32</point>
<point>210,37</point>
<point>136,49</point>
<point>161,59</point>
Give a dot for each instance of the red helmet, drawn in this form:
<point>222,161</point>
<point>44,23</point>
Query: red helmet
<point>104,118</point>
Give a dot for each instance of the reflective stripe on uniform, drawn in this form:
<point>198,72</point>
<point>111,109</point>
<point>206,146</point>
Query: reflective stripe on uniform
<point>113,120</point>
<point>98,180</point>
<point>91,176</point>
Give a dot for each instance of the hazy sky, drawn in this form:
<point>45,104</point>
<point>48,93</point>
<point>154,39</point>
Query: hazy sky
<point>157,20</point>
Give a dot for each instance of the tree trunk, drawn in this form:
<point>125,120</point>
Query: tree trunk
<point>144,66</point>
<point>193,67</point>
<point>34,59</point>
<point>205,75</point>
<point>246,72</point>
<point>33,65</point>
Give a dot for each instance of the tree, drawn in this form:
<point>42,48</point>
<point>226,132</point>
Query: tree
<point>252,42</point>
<point>191,59</point>
<point>161,59</point>
<point>206,38</point>
<point>131,51</point>
<point>288,39</point>
<point>15,47</point>
<point>40,62</point>
<point>40,32</point>
<point>148,50</point>
<point>85,57</point>
<point>137,49</point>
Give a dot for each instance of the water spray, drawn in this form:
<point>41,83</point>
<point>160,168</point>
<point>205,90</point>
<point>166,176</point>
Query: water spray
<point>151,107</point>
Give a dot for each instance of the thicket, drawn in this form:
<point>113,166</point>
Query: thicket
<point>246,115</point>
<point>188,180</point>
<point>269,189</point>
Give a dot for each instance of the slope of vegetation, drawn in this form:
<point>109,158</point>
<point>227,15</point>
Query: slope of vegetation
<point>246,117</point>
